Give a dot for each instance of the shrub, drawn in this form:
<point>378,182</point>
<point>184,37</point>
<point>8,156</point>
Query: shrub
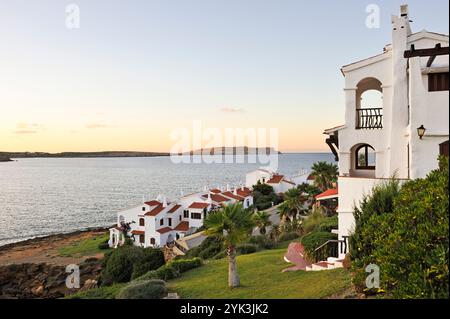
<point>246,248</point>
<point>165,272</point>
<point>211,246</point>
<point>262,241</point>
<point>220,255</point>
<point>182,265</point>
<point>314,240</point>
<point>152,259</point>
<point>103,246</point>
<point>126,262</point>
<point>406,235</point>
<point>288,236</point>
<point>150,289</point>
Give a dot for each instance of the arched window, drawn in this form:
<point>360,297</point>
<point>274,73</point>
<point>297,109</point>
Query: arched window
<point>369,104</point>
<point>141,222</point>
<point>152,241</point>
<point>365,157</point>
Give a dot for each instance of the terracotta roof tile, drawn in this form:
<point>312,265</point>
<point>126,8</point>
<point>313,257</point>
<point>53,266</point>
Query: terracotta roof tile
<point>174,209</point>
<point>231,195</point>
<point>152,203</point>
<point>164,230</point>
<point>138,232</point>
<point>183,226</point>
<point>198,205</point>
<point>328,193</point>
<point>155,211</point>
<point>275,179</point>
<point>244,192</point>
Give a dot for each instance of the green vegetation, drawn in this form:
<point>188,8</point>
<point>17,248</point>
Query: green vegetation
<point>233,224</point>
<point>314,240</point>
<point>325,174</point>
<point>149,289</point>
<point>86,247</point>
<point>404,230</point>
<point>209,248</point>
<point>127,262</point>
<point>261,277</point>
<point>106,292</point>
<point>261,219</point>
<point>264,196</point>
<point>171,270</point>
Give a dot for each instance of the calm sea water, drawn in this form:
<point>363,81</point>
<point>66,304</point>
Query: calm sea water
<point>43,196</point>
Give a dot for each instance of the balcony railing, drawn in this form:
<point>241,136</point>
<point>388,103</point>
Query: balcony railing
<point>369,118</point>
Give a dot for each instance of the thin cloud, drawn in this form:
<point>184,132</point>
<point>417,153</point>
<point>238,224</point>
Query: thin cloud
<point>232,110</point>
<point>28,128</point>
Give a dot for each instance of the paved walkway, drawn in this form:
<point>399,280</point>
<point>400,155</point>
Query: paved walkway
<point>295,255</point>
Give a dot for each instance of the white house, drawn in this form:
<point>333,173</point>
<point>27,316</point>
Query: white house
<point>385,139</point>
<point>280,183</point>
<point>157,222</point>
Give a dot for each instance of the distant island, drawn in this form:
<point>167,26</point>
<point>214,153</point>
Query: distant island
<point>237,150</point>
<point>242,150</point>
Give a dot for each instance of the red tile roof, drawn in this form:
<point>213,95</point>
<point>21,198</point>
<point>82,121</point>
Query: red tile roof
<point>155,211</point>
<point>330,193</point>
<point>244,193</point>
<point>218,198</point>
<point>174,209</point>
<point>183,227</point>
<point>198,205</point>
<point>152,203</point>
<point>311,177</point>
<point>215,191</point>
<point>231,195</point>
<point>138,232</point>
<point>164,230</point>
<point>275,179</point>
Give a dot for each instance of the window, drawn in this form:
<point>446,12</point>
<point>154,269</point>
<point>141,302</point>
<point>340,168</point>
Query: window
<point>141,239</point>
<point>365,157</point>
<point>196,216</point>
<point>141,222</point>
<point>170,222</point>
<point>152,241</point>
<point>161,222</point>
<point>180,218</point>
<point>438,82</point>
<point>186,214</point>
<point>143,209</point>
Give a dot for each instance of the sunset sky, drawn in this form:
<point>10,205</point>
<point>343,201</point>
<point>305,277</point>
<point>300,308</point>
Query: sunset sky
<point>137,70</point>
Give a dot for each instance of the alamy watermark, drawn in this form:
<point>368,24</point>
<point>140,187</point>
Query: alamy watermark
<point>73,279</point>
<point>373,279</point>
<point>72,16</point>
<point>230,145</point>
<point>373,18</point>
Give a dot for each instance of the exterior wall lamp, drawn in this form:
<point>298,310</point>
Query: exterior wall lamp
<point>421,131</point>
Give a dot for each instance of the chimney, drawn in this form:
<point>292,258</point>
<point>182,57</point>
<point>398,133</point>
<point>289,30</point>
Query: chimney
<point>404,10</point>
<point>235,191</point>
<point>164,204</point>
<point>228,187</point>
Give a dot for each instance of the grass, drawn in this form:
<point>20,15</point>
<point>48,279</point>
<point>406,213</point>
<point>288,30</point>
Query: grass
<point>261,277</point>
<point>85,247</point>
<point>107,292</point>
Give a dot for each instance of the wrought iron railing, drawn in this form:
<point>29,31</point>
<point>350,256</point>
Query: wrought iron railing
<point>369,118</point>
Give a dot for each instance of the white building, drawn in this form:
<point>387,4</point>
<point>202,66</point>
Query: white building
<point>377,142</point>
<point>158,222</point>
<point>280,183</point>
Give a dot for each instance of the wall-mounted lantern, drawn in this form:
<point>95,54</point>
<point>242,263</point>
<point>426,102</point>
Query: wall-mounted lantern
<point>421,131</point>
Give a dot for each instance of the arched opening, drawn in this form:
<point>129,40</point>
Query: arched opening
<point>141,222</point>
<point>369,104</point>
<point>363,161</point>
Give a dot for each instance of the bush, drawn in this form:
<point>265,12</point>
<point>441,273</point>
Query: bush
<point>182,265</point>
<point>165,272</point>
<point>406,235</point>
<point>211,246</point>
<point>246,248</point>
<point>152,259</point>
<point>314,240</point>
<point>125,262</point>
<point>150,289</point>
<point>103,246</point>
<point>262,241</point>
<point>220,255</point>
<point>288,236</point>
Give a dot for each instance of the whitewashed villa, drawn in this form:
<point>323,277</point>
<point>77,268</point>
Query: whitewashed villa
<point>158,222</point>
<point>280,183</point>
<point>401,136</point>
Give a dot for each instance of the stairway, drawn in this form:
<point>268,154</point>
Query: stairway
<point>330,263</point>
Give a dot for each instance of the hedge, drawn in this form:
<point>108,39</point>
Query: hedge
<point>150,289</point>
<point>314,240</point>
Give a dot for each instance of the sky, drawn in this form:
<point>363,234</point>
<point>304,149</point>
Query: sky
<point>135,71</point>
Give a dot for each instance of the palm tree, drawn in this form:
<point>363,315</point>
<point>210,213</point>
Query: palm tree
<point>284,211</point>
<point>325,174</point>
<point>261,220</point>
<point>294,200</point>
<point>233,224</point>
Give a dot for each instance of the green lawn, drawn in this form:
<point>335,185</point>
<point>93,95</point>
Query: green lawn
<point>108,292</point>
<point>261,277</point>
<point>87,247</point>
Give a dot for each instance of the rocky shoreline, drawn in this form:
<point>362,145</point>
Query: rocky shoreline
<point>34,268</point>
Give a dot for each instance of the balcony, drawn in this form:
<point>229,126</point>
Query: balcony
<point>369,118</point>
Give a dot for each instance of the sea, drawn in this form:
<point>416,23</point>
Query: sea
<point>44,196</point>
